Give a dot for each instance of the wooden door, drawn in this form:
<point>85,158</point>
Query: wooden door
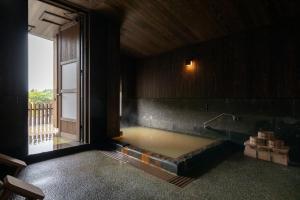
<point>69,81</point>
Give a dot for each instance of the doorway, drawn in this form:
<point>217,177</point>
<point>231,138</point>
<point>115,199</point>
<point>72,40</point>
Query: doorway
<point>56,77</point>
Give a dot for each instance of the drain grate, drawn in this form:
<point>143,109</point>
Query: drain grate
<point>179,181</point>
<point>116,156</point>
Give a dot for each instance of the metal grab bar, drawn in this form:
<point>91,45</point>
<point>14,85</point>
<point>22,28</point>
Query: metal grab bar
<point>234,118</point>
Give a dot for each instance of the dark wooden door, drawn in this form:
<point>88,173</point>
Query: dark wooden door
<point>69,81</point>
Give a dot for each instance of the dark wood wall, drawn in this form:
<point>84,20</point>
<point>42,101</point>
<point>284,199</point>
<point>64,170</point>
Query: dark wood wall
<point>128,76</point>
<point>113,80</point>
<point>262,63</point>
<point>104,77</point>
<point>97,79</point>
<point>13,77</point>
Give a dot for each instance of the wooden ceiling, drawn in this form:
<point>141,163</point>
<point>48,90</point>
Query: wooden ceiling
<point>45,20</point>
<point>151,27</point>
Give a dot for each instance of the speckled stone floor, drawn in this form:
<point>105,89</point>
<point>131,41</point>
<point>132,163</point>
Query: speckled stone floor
<point>92,175</point>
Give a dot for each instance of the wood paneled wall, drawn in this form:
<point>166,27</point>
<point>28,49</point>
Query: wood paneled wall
<point>13,77</point>
<point>128,76</point>
<point>262,63</point>
<point>97,79</point>
<point>113,80</point>
<point>104,76</point>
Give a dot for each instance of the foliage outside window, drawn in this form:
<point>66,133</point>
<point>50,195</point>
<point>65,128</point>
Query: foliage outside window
<point>44,96</point>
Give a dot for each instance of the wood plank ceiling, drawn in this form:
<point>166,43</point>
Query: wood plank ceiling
<point>45,20</point>
<point>151,27</point>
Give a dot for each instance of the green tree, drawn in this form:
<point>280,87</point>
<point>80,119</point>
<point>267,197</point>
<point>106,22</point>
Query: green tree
<point>45,96</point>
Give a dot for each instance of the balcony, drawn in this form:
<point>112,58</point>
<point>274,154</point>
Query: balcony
<point>43,135</point>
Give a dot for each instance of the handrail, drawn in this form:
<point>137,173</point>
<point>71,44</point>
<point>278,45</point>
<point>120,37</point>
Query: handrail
<point>39,113</point>
<point>213,119</point>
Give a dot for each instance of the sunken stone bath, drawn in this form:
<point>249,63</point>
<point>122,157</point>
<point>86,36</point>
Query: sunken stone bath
<point>175,152</point>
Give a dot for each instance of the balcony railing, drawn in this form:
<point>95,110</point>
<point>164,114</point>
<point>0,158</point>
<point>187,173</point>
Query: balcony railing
<point>40,114</point>
<point>40,122</point>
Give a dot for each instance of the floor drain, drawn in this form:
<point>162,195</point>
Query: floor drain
<point>179,181</point>
<point>115,155</point>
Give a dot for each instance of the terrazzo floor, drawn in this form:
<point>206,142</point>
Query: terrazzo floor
<point>92,175</point>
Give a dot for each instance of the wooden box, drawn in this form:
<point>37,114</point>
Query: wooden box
<point>280,158</point>
<point>278,144</point>
<point>264,154</point>
<point>267,135</point>
<point>261,142</point>
<point>252,140</point>
<point>250,151</point>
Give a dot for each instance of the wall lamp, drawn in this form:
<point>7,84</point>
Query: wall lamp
<point>189,65</point>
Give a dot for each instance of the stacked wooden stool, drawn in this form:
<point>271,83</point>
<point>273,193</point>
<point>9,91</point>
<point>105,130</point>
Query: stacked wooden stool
<point>266,147</point>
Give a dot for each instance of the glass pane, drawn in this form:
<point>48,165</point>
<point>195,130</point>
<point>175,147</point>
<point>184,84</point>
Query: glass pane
<point>69,74</point>
<point>69,105</point>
